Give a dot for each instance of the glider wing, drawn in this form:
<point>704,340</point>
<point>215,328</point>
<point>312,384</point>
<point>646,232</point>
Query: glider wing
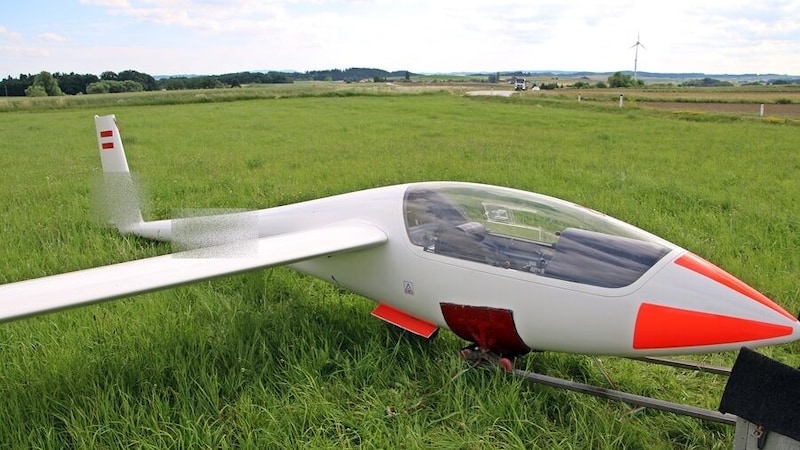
<point>83,287</point>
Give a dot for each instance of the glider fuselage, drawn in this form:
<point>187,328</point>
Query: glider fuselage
<point>669,309</point>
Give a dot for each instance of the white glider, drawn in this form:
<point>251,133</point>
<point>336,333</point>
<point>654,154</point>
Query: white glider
<point>510,271</point>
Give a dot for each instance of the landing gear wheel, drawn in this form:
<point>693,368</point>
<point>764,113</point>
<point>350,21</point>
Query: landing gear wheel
<point>471,353</point>
<point>475,354</point>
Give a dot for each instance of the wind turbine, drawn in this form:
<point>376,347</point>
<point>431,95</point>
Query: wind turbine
<point>636,55</point>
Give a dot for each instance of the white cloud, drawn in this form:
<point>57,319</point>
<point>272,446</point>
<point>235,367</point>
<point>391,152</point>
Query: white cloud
<point>51,37</point>
<point>205,16</point>
<point>27,51</point>
<point>214,36</point>
<point>6,34</point>
<point>111,3</point>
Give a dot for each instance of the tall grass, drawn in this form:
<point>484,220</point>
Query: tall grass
<point>274,359</point>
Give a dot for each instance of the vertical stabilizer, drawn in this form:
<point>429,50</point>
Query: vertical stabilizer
<point>120,196</point>
<point>109,142</point>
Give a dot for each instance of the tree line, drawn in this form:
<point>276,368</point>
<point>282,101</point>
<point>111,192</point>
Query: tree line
<point>47,84</point>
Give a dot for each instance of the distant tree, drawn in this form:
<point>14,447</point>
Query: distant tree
<point>100,87</point>
<point>15,87</point>
<point>131,86</point>
<point>351,74</point>
<point>407,76</point>
<point>148,82</point>
<point>43,82</point>
<point>73,83</point>
<point>35,91</point>
<point>601,85</point>
<point>621,80</point>
<point>173,83</point>
<point>113,87</point>
<point>108,75</point>
<point>706,82</point>
<point>785,81</point>
<point>205,83</point>
<point>240,78</point>
<point>277,77</point>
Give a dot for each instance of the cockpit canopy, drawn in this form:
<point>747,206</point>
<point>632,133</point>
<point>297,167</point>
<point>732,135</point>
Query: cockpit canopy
<point>528,232</point>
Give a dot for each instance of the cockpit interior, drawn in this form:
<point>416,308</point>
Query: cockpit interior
<point>522,231</point>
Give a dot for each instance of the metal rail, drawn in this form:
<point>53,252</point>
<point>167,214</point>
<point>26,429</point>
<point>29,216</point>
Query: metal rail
<point>638,400</point>
<point>683,364</point>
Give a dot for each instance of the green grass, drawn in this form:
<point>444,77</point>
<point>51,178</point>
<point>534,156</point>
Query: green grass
<point>776,94</point>
<point>180,97</point>
<point>275,359</point>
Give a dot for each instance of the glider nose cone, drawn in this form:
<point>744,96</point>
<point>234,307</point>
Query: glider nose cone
<point>796,333</point>
<point>715,309</point>
<point>712,272</point>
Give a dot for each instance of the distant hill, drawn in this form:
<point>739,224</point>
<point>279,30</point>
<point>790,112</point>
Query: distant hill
<point>360,73</point>
<point>351,74</point>
<point>72,83</point>
<point>648,77</point>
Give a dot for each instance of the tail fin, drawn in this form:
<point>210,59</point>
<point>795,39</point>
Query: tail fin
<point>120,197</point>
<point>109,142</point>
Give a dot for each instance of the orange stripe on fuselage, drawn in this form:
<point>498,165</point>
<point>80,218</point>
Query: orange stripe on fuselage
<point>705,268</point>
<point>660,326</point>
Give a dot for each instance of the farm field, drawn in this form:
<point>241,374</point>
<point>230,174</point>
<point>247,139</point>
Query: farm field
<point>274,359</point>
<point>780,102</point>
<point>743,109</point>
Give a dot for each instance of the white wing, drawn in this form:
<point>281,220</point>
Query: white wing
<point>83,287</point>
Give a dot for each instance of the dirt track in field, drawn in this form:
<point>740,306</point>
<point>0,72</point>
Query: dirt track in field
<point>749,109</point>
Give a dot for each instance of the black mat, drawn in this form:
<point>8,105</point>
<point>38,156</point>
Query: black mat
<point>764,392</point>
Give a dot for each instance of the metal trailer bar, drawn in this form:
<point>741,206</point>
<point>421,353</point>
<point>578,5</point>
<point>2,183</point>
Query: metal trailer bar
<point>639,400</point>
<point>683,364</point>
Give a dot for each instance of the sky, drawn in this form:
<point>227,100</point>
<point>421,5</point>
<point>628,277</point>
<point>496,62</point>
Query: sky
<point>171,37</point>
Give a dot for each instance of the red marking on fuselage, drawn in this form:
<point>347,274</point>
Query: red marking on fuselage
<point>705,268</point>
<point>404,320</point>
<point>660,326</point>
<point>490,328</point>
<point>108,145</point>
<point>106,133</point>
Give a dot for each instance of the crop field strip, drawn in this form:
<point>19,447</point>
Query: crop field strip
<point>275,359</point>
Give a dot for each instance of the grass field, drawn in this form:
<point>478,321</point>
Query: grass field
<point>274,359</point>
